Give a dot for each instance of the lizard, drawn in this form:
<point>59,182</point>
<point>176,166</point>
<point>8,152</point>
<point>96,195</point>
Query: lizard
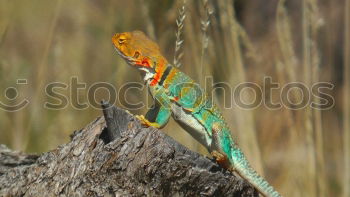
<point>177,95</point>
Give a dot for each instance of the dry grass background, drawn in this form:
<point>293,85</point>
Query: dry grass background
<point>300,152</point>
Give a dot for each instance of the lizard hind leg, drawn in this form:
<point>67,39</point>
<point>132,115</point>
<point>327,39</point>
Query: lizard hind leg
<point>217,152</point>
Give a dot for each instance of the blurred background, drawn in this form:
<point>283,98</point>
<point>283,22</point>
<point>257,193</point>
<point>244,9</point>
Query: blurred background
<point>300,152</point>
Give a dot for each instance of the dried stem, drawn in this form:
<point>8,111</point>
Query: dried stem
<point>205,21</point>
<point>42,69</point>
<point>346,120</point>
<point>149,24</point>
<point>310,144</point>
<point>179,41</point>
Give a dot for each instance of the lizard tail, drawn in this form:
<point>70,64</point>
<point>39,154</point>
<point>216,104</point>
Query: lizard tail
<point>243,168</point>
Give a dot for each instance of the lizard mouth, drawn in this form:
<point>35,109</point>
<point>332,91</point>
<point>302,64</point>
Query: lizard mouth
<point>147,71</point>
<point>131,61</point>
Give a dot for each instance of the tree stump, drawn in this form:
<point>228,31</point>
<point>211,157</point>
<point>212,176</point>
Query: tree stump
<point>115,156</point>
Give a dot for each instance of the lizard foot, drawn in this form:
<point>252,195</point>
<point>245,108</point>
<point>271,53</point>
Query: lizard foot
<point>146,123</point>
<point>222,160</point>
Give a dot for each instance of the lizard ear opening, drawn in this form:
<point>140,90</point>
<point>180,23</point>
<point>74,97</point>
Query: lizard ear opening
<point>136,55</point>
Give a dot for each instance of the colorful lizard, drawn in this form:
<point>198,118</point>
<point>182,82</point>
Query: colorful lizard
<point>177,95</point>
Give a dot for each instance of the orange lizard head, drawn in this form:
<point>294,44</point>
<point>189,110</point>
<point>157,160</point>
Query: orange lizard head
<point>138,50</point>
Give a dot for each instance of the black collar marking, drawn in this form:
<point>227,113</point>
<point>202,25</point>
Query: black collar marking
<point>165,74</point>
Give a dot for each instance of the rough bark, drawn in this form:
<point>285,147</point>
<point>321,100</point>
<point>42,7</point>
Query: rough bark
<point>117,157</point>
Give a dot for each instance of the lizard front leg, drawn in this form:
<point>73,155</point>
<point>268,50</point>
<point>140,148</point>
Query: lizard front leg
<point>156,117</point>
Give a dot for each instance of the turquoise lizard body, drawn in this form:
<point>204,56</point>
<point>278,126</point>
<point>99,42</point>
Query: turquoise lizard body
<point>177,95</point>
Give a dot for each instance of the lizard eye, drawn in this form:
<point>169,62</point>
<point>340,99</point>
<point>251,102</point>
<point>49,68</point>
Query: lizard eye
<point>121,40</point>
<point>136,54</point>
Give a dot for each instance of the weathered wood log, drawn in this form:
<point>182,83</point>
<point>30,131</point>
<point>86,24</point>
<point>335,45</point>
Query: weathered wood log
<point>115,156</point>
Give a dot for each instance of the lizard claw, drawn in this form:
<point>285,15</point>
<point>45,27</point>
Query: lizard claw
<point>191,110</point>
<point>143,120</point>
<point>221,159</point>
